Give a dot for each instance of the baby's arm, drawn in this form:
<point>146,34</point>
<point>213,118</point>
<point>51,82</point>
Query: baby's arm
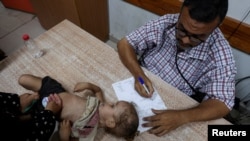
<point>64,131</point>
<point>85,85</point>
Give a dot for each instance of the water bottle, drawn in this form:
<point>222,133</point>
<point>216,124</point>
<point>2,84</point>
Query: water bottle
<point>31,45</point>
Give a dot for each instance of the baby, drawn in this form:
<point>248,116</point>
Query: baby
<point>87,113</point>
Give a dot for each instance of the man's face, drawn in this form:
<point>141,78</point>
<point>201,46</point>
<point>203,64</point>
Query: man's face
<point>190,33</point>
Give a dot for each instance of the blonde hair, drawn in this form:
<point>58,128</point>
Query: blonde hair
<point>126,124</point>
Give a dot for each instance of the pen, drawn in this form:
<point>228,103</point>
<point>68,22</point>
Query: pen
<point>143,84</point>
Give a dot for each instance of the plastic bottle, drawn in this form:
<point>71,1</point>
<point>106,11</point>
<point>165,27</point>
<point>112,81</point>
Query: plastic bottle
<point>31,45</point>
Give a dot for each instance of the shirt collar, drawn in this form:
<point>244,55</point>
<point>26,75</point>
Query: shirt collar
<point>200,51</point>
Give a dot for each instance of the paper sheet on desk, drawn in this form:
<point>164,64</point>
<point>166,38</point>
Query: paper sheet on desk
<point>125,91</point>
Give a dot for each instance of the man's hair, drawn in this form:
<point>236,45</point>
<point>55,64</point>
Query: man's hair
<point>207,10</point>
<point>126,124</point>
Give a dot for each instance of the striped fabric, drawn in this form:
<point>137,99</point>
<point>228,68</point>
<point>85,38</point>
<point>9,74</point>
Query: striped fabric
<point>208,67</point>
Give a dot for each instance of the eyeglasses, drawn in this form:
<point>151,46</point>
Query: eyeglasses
<point>182,32</point>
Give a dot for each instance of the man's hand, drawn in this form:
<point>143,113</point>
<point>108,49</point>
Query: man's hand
<point>141,90</point>
<point>164,121</point>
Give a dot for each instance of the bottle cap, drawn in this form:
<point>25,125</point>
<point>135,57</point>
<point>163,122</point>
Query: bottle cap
<point>26,37</point>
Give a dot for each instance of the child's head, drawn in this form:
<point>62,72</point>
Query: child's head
<point>119,119</point>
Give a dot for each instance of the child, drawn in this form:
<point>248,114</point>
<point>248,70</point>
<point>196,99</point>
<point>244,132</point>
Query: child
<point>15,125</point>
<point>85,113</point>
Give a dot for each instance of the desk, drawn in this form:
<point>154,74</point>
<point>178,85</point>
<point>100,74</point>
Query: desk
<point>73,55</point>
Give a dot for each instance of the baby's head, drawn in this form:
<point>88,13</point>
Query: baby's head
<point>119,119</point>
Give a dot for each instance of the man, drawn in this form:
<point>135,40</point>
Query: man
<point>188,51</point>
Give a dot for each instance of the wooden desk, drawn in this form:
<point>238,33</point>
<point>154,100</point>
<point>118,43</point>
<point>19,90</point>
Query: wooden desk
<point>73,55</point>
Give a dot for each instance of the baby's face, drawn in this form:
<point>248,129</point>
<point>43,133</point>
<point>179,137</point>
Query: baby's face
<point>109,111</point>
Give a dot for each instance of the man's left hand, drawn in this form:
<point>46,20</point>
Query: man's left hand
<point>163,121</point>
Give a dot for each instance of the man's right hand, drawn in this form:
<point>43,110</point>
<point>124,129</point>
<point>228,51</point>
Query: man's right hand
<point>141,90</point>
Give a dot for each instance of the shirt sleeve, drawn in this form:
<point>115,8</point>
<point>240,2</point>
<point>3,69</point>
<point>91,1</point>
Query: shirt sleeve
<point>220,80</point>
<point>42,125</point>
<point>9,106</point>
<point>151,34</point>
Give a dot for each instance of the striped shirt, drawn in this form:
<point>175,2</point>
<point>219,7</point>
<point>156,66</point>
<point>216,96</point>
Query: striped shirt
<point>208,67</point>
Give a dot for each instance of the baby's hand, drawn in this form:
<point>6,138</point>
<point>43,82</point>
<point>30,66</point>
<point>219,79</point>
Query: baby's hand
<point>54,103</point>
<point>64,130</point>
<point>80,86</point>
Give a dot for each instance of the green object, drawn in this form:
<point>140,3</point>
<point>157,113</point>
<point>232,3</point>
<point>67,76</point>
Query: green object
<point>30,106</point>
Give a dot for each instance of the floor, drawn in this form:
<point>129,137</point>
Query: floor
<point>15,23</point>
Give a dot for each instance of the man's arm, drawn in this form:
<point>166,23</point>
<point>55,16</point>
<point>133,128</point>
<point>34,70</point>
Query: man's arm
<point>85,85</point>
<point>129,59</point>
<point>207,110</point>
<point>165,121</point>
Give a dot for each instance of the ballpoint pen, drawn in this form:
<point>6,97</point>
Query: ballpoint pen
<point>143,84</point>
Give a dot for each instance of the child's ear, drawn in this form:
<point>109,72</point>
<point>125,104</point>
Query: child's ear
<point>110,123</point>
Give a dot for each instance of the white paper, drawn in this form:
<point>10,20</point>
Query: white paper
<point>125,91</point>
